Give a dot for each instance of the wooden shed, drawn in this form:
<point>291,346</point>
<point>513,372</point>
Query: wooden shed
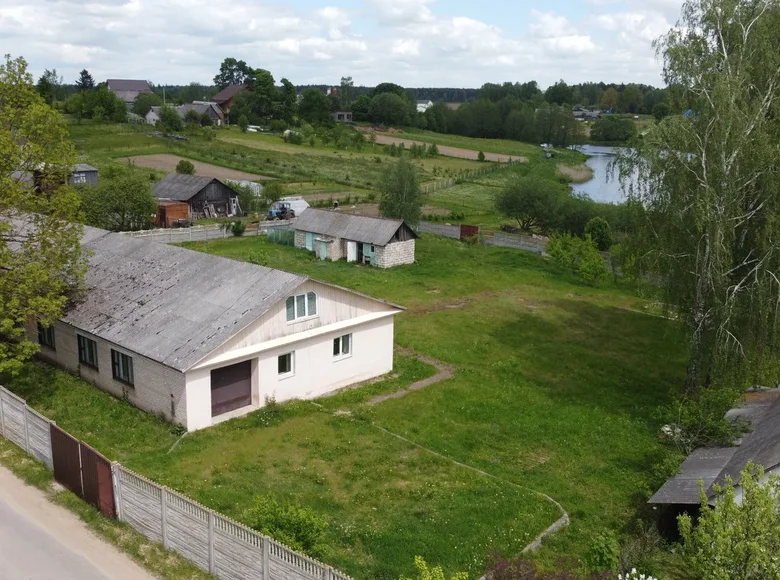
<point>170,212</point>
<point>206,196</point>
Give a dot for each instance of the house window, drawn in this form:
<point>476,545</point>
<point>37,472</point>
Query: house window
<point>285,363</point>
<point>301,306</point>
<point>46,336</point>
<point>122,367</point>
<point>87,351</point>
<point>342,346</point>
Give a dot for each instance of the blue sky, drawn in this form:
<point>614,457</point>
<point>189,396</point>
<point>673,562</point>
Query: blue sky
<point>410,42</point>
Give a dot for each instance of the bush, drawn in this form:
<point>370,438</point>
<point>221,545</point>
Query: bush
<point>258,257</point>
<point>578,255</point>
<point>481,157</point>
<point>604,552</point>
<point>296,526</point>
<point>599,231</point>
<point>243,123</point>
<point>278,125</point>
<point>426,573</point>
<point>185,167</point>
<point>238,228</point>
<point>522,569</point>
<point>295,138</point>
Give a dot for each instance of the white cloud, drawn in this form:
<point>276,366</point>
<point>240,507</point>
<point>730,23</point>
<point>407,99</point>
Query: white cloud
<point>410,42</point>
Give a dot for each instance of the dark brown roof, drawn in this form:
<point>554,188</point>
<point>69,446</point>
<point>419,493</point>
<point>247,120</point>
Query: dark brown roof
<point>228,93</point>
<point>128,85</point>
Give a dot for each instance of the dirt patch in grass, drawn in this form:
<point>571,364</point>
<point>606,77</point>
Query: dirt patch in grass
<point>449,151</point>
<point>577,173</point>
<point>165,162</point>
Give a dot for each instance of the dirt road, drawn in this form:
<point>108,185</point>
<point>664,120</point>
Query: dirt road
<point>43,541</point>
<point>449,151</point>
<point>166,162</point>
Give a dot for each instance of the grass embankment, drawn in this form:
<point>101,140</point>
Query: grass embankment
<point>554,390</point>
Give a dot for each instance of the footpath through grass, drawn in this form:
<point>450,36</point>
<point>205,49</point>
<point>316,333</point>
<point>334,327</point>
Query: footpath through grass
<point>555,389</point>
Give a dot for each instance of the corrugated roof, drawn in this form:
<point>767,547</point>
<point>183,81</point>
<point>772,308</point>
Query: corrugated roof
<point>358,228</point>
<point>712,466</point>
<point>179,187</point>
<point>170,304</point>
<point>138,86</point>
<point>83,167</point>
<point>228,92</point>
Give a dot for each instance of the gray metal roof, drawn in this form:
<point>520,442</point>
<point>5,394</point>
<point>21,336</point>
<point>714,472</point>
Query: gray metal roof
<point>179,187</point>
<point>357,228</point>
<point>133,85</point>
<point>80,167</point>
<point>169,304</point>
<point>712,466</point>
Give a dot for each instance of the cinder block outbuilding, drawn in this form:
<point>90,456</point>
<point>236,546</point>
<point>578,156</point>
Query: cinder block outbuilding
<point>333,235</point>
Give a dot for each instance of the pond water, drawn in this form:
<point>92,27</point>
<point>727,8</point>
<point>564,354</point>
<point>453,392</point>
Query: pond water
<point>605,185</point>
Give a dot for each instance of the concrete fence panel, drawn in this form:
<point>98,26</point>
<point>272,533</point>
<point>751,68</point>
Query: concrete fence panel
<point>14,417</point>
<point>448,231</point>
<point>139,503</point>
<point>39,437</point>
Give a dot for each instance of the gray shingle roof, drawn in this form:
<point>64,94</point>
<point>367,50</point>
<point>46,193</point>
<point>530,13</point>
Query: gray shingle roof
<point>135,85</point>
<point>180,187</point>
<point>83,167</point>
<point>169,304</point>
<point>713,465</point>
<point>357,228</point>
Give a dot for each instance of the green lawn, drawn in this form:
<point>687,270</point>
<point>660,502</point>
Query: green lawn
<point>555,391</point>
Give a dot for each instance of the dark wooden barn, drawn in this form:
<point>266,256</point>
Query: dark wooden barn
<point>206,196</point>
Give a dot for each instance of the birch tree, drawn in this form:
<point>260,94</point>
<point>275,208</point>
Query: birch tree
<point>710,183</point>
<point>41,266</point>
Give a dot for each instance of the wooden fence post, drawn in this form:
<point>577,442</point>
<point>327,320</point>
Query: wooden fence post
<point>266,558</point>
<point>117,481</point>
<point>164,517</point>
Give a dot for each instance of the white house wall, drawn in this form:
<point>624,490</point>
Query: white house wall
<point>316,370</point>
<point>158,388</point>
<point>333,305</point>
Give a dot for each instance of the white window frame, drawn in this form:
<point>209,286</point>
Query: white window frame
<point>307,313</point>
<point>350,347</point>
<point>291,372</point>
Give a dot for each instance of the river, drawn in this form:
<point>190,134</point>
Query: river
<point>605,185</point>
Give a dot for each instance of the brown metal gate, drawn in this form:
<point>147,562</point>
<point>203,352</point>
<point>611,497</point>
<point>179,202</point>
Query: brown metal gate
<point>83,471</point>
<point>96,476</point>
<point>66,458</point>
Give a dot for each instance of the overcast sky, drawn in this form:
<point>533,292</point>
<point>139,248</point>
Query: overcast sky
<point>415,43</point>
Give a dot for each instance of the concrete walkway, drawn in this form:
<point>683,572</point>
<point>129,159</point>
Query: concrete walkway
<point>43,541</point>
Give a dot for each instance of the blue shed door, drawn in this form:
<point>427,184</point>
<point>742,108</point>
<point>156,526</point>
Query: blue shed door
<point>310,241</point>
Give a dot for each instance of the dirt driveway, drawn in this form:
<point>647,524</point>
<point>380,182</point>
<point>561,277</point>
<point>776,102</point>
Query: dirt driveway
<point>449,151</point>
<point>166,162</point>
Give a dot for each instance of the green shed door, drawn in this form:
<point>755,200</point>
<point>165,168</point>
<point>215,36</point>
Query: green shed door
<point>310,241</point>
<point>369,254</point>
<point>323,250</point>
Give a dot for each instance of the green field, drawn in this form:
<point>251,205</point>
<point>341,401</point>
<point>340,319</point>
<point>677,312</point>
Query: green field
<point>554,391</point>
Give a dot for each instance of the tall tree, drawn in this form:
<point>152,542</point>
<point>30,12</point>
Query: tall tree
<point>144,103</point>
<point>559,94</point>
<point>265,94</point>
<point>288,101</point>
<point>233,72</point>
<point>609,99</point>
<point>401,197</point>
<point>48,85</point>
<point>346,92</point>
<point>85,82</point>
<point>314,107</point>
<point>709,181</point>
<point>630,99</point>
<point>533,201</point>
<point>41,265</point>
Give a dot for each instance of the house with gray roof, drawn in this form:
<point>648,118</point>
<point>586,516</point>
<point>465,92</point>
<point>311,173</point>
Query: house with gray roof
<point>200,338</point>
<point>333,235</point>
<point>213,110</point>
<point>207,196</point>
<point>128,89</point>
<point>708,467</point>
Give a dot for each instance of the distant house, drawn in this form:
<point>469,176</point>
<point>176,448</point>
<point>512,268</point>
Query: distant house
<point>586,115</point>
<point>423,106</point>
<point>199,339</point>
<point>206,196</point>
<point>213,110</point>
<point>333,235</point>
<point>342,116</point>
<point>225,97</point>
<point>453,106</point>
<point>83,173</point>
<point>128,90</point>
<point>711,466</point>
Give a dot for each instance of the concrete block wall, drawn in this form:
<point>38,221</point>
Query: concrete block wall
<point>337,249</point>
<point>395,254</point>
<point>157,388</point>
<point>300,239</point>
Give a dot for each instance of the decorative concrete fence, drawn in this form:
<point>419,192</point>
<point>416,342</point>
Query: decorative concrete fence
<point>201,233</point>
<point>211,541</point>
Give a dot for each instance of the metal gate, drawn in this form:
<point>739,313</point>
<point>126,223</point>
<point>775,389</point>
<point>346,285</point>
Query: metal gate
<point>66,457</point>
<point>83,471</point>
<point>96,477</point>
